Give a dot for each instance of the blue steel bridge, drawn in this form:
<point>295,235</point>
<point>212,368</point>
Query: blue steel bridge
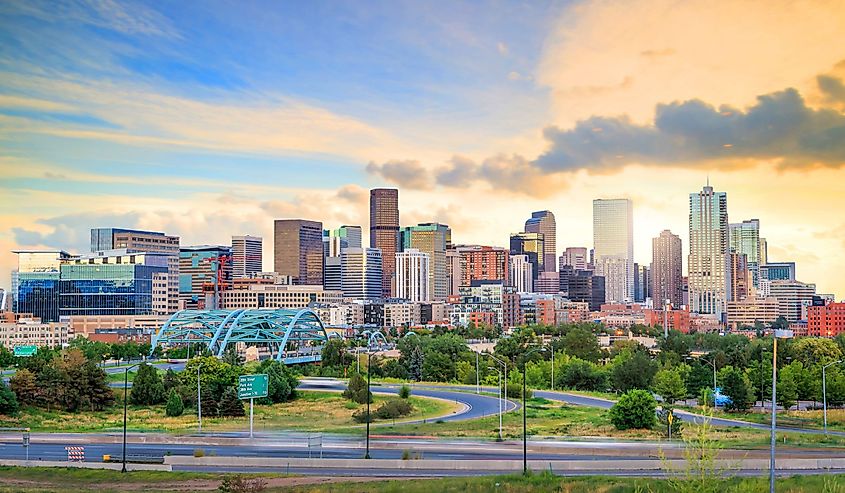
<point>292,336</point>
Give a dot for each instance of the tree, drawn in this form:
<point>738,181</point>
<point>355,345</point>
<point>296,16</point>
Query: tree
<point>669,385</point>
<point>635,409</point>
<point>230,405</point>
<point>232,357</point>
<point>356,390</point>
<point>632,371</point>
<point>334,354</point>
<point>583,344</point>
<point>736,386</point>
<point>787,389</point>
<point>174,406</point>
<point>412,356</point>
<point>583,375</point>
<point>404,392</point>
<point>215,375</point>
<point>282,383</point>
<point>170,380</point>
<point>8,402</point>
<point>815,350</point>
<point>23,385</point>
<point>147,388</point>
<point>210,404</point>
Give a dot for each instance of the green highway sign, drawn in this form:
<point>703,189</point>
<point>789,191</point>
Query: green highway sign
<point>25,351</point>
<point>252,386</point>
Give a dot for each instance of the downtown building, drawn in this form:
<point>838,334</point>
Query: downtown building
<point>204,272</point>
<point>667,269</point>
<point>361,273</point>
<point>433,239</point>
<point>543,222</point>
<point>298,250</point>
<point>483,263</point>
<point>491,303</point>
<point>334,242</point>
<point>745,240</point>
<point>413,278</point>
<point>825,320</point>
<point>384,232</point>
<point>613,245</point>
<point>521,274</point>
<point>576,257</point>
<point>247,256</point>
<point>708,261</point>
<point>531,245</point>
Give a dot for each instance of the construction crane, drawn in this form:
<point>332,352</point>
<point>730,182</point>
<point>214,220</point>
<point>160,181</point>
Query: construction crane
<point>219,283</point>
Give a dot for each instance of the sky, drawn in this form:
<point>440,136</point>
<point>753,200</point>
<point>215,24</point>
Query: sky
<point>210,119</point>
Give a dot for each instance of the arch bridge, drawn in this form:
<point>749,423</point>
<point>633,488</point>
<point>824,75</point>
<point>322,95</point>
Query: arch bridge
<point>293,336</point>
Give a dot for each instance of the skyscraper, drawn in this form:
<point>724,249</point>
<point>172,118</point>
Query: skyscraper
<point>642,283</point>
<point>483,263</point>
<point>36,282</point>
<point>384,231</point>
<point>667,269</point>
<point>431,238</point>
<point>532,245</point>
<point>298,250</point>
<point>739,278</point>
<point>361,273</point>
<point>544,222</point>
<point>613,242</point>
<point>745,239</point>
<point>412,275</point>
<point>577,257</point>
<point>334,240</point>
<point>521,274</point>
<point>202,273</point>
<point>709,239</point>
<point>246,255</point>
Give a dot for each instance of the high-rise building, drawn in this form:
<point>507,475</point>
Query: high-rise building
<point>642,283</point>
<point>384,231</point>
<point>745,239</point>
<point>332,278</point>
<point>104,239</point>
<point>826,320</point>
<point>532,245</point>
<point>298,250</point>
<point>740,276</point>
<point>547,283</point>
<point>361,273</point>
<point>433,239</point>
<point>667,269</point>
<point>36,283</point>
<point>246,255</point>
<point>543,222</point>
<point>453,271</point>
<point>483,263</point>
<point>778,271</point>
<point>584,286</point>
<point>521,274</point>
<point>613,243</point>
<point>577,257</point>
<point>794,297</point>
<point>203,271</point>
<point>709,237</point>
<point>412,275</point>
<point>335,240</point>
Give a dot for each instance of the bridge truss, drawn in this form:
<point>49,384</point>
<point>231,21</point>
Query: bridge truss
<point>293,336</point>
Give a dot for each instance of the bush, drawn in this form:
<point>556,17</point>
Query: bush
<point>237,483</point>
<point>361,416</point>
<point>635,409</point>
<point>8,401</point>
<point>394,408</point>
<point>147,388</point>
<point>174,407</point>
<point>514,391</point>
<point>198,452</point>
<point>404,392</point>
<point>230,405</point>
<point>356,390</point>
<point>583,375</point>
<point>735,385</point>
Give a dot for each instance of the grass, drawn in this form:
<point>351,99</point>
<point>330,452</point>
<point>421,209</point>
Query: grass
<point>793,419</point>
<point>60,480</point>
<point>312,411</point>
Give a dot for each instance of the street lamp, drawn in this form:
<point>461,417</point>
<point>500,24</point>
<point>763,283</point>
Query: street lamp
<point>500,399</point>
<point>824,391</point>
<point>367,455</point>
<point>783,334</point>
<point>505,366</point>
<point>199,401</point>
<point>125,389</point>
<point>524,415</point>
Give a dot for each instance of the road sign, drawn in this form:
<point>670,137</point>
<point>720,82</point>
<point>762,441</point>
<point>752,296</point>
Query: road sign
<point>252,386</point>
<point>25,351</point>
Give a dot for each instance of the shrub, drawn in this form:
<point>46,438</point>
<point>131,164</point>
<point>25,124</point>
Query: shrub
<point>635,409</point>
<point>147,388</point>
<point>357,390</point>
<point>198,452</point>
<point>237,483</point>
<point>8,401</point>
<point>394,408</point>
<point>404,392</point>
<point>174,406</point>
<point>361,416</point>
<point>230,405</point>
<point>514,391</point>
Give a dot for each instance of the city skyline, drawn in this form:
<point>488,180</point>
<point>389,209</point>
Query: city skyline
<point>110,119</point>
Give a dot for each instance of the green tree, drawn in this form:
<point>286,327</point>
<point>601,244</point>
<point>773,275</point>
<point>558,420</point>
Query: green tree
<point>282,382</point>
<point>147,388</point>
<point>334,353</point>
<point>209,402</point>
<point>8,401</point>
<point>669,385</point>
<point>23,385</point>
<point>583,375</point>
<point>411,356</point>
<point>174,406</point>
<point>356,390</point>
<point>736,386</point>
<point>170,380</point>
<point>232,357</point>
<point>230,405</point>
<point>635,409</point>
<point>632,371</point>
<point>7,357</point>
<point>815,350</point>
<point>583,344</point>
<point>787,389</point>
<point>404,392</point>
<point>215,375</point>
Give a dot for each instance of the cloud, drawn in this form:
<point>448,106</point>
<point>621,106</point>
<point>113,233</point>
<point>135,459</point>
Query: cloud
<point>780,127</point>
<point>502,48</point>
<point>71,232</point>
<point>832,87</point>
<point>512,173</point>
<point>407,173</point>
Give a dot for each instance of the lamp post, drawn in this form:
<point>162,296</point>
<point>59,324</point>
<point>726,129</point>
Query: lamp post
<point>524,414</point>
<point>783,334</point>
<point>199,401</point>
<point>505,366</point>
<point>712,363</point>
<point>552,348</point>
<point>500,399</point>
<point>477,377</point>
<point>824,391</point>
<point>367,455</point>
<point>125,389</point>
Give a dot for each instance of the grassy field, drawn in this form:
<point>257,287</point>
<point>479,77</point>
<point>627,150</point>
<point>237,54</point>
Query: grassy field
<point>79,480</point>
<point>312,411</point>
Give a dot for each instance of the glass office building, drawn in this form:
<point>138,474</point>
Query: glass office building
<point>36,286</point>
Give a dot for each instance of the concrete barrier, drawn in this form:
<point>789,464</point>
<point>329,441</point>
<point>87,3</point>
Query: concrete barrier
<point>114,466</point>
<point>496,465</point>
